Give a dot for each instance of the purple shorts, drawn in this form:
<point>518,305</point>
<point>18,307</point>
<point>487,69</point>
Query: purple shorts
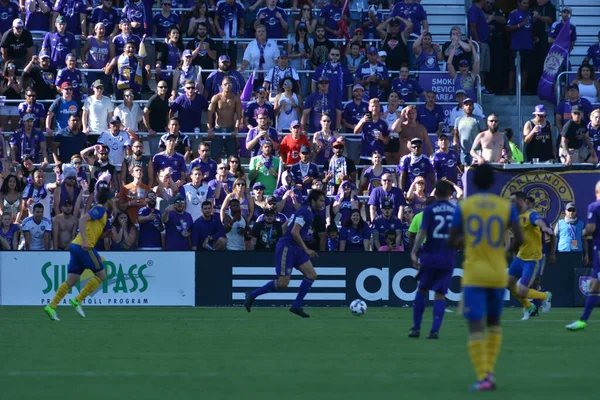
<point>287,257</point>
<point>436,279</point>
<point>596,271</point>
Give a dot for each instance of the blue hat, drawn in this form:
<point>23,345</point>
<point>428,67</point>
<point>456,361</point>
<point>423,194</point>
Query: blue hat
<point>266,141</point>
<point>387,204</point>
<point>539,109</point>
<point>304,149</point>
<point>373,50</point>
<point>186,53</point>
<point>294,123</point>
<point>258,185</point>
<point>224,58</point>
<point>302,25</point>
<point>283,53</point>
<point>115,119</point>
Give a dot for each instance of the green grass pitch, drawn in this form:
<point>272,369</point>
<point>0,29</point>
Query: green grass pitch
<point>226,353</point>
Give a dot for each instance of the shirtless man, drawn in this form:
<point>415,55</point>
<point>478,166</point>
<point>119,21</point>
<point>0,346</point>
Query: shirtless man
<point>409,129</point>
<point>68,190</point>
<point>64,226</point>
<point>229,117</point>
<point>491,143</point>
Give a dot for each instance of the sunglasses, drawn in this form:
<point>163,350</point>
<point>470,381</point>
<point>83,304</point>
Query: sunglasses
<point>493,121</point>
<point>240,184</point>
<point>162,87</point>
<point>69,89</point>
<point>227,84</point>
<point>128,95</point>
<point>234,162</point>
<point>30,95</point>
<point>420,183</point>
<point>259,188</point>
<point>571,209</point>
<point>386,180</point>
<point>287,83</point>
<point>416,146</point>
<point>190,87</point>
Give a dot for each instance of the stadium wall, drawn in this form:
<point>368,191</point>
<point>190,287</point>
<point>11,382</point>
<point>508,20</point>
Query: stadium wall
<point>143,278</point>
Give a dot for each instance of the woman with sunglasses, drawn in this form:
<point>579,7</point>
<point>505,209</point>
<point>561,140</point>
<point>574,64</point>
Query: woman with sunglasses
<point>307,18</point>
<point>81,173</point>
<point>299,54</point>
<point>168,56</point>
<point>355,234</point>
<point>322,147</point>
<point>345,201</point>
<point>187,72</point>
<point>240,193</point>
<point>416,195</point>
<point>260,200</point>
<point>288,105</point>
<point>10,87</point>
<point>10,198</point>
<point>371,177</point>
<point>235,170</point>
<point>463,79</point>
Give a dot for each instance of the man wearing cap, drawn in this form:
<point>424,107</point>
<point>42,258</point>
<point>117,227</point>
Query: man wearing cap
<point>69,190</point>
<point>330,17</point>
<point>108,16</point>
<point>276,75</point>
<point>266,233</point>
<point>563,110</point>
<point>291,145</point>
<point>117,141</point>
<point>229,21</point>
<point>394,41</point>
<point>558,25</point>
<point>164,20</point>
<point>178,226</point>
<point>414,11</point>
<point>271,206</point>
<point>17,44</point>
<point>569,233</point>
<point>189,107</point>
<point>258,106</point>
<point>41,76</point>
<point>31,106</point>
<point>70,140</point>
<point>446,161</point>
<point>75,15</point>
<point>458,111</point>
<point>538,137</point>
<point>593,55</point>
<point>575,143</point>
<point>261,132</point>
<point>384,223</point>
<point>382,56</point>
<point>289,196</point>
<point>9,11</point>
<point>489,144</point>
<point>325,101</point>
<point>214,81</point>
<point>415,165</point>
<point>72,75</point>
<point>28,141</point>
<point>96,157</point>
<point>340,168</point>
<point>59,43</point>
<point>265,168</point>
<point>340,79</point>
<point>373,75</point>
<point>97,110</point>
<point>466,129</point>
<point>126,35</point>
<point>305,172</point>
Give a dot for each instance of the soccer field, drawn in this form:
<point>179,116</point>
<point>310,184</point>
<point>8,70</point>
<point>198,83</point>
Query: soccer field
<point>226,353</point>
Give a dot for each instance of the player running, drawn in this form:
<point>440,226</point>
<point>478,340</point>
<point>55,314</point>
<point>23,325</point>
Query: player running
<point>291,252</point>
<point>593,219</point>
<point>525,267</point>
<point>436,260</point>
<point>83,255</point>
<point>479,224</point>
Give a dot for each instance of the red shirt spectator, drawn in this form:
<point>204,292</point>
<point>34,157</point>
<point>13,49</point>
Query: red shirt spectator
<point>289,148</point>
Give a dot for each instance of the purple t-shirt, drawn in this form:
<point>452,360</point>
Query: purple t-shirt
<point>190,111</point>
<point>332,15</point>
<point>319,103</point>
<point>593,217</point>
<point>98,54</point>
<point>37,109</point>
<point>476,15</point>
<point>427,61</point>
<point>303,217</point>
<point>564,108</point>
<point>556,28</point>
<point>354,237</point>
<point>300,171</point>
<point>213,186</point>
<point>414,12</point>
<point>354,112</point>
<point>229,16</point>
<point>8,236</point>
<point>253,110</point>
<point>381,225</point>
<point>593,53</point>
<point>430,119</point>
<point>164,24</point>
<point>373,179</point>
<point>136,12</point>
<point>58,46</point>
<point>28,145</point>
<point>414,168</point>
<point>369,143</point>
<point>120,40</point>
<point>71,10</point>
<point>271,22</point>
<point>174,227</point>
<point>345,207</point>
<point>209,168</point>
<point>215,79</point>
<point>379,195</point>
<point>204,228</point>
<point>445,165</point>
<point>437,219</point>
<point>288,207</point>
<point>520,39</point>
<point>37,20</point>
<point>108,18</point>
<point>176,162</point>
<point>75,77</point>
<point>339,78</point>
<point>149,234</point>
<point>407,89</point>
<point>380,71</point>
<point>8,13</point>
<point>254,132</point>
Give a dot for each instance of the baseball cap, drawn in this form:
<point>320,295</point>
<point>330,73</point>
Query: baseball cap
<point>576,109</point>
<point>468,100</point>
<point>98,83</point>
<point>387,204</point>
<point>573,86</point>
<point>373,50</point>
<point>416,141</point>
<point>261,89</point>
<point>570,205</point>
<point>27,117</point>
<point>61,20</point>
<point>124,21</point>
<point>43,54</point>
<point>324,78</point>
<point>258,185</point>
<point>266,141</point>
<point>304,149</point>
<point>443,136</point>
<point>224,58</point>
<point>17,22</point>
<point>65,85</point>
<point>301,25</point>
<point>358,87</point>
<point>339,142</point>
<point>66,202</point>
<point>567,9</point>
<point>179,198</point>
<point>395,21</point>
<point>460,91</point>
<point>283,53</point>
<point>382,54</point>
<point>358,30</point>
<point>187,53</point>
<point>294,123</point>
<point>269,211</point>
<point>271,200</point>
<point>104,149</point>
<point>115,119</point>
<point>463,62</point>
<point>539,109</point>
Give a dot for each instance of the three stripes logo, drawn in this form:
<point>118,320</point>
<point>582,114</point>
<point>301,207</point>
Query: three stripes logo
<point>330,286</point>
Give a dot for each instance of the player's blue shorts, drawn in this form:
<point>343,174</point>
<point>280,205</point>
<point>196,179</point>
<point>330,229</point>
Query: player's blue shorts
<point>526,270</point>
<point>479,302</point>
<point>82,260</point>
<point>436,279</point>
<point>287,257</point>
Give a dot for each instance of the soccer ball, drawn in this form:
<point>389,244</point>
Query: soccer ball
<point>358,308</point>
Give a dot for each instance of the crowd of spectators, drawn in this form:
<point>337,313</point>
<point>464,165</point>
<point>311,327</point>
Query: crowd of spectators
<point>349,127</point>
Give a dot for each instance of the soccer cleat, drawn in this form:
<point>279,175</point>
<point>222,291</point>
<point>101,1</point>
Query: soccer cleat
<point>299,311</point>
<point>77,306</point>
<point>547,304</point>
<point>249,301</point>
<point>577,325</point>
<point>527,312</point>
<point>414,333</point>
<point>483,386</point>
<point>492,379</point>
<point>536,313</point>
<point>433,335</point>
<point>51,313</point>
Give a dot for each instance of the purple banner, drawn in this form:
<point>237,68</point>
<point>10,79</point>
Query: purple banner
<point>552,189</point>
<point>557,54</point>
<point>441,84</point>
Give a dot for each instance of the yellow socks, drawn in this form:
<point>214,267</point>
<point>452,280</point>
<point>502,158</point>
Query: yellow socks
<point>536,295</point>
<point>89,288</point>
<point>62,291</point>
<point>478,353</point>
<point>526,303</point>
<point>493,342</point>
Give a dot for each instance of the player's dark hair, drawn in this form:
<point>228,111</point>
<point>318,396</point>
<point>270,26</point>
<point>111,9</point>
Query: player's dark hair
<point>314,195</point>
<point>206,203</point>
<point>430,200</point>
<point>443,190</point>
<point>38,205</point>
<point>520,195</point>
<point>483,177</point>
<point>234,201</point>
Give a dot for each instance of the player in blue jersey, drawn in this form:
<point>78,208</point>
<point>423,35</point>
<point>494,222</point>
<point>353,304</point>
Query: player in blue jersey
<point>479,224</point>
<point>292,252</point>
<point>436,261</point>
<point>548,255</point>
<point>591,228</point>
<point>92,226</point>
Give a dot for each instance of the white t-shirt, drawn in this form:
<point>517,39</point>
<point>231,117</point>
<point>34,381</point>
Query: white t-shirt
<point>98,113</point>
<point>455,113</point>
<point>194,198</point>
<point>235,241</point>
<point>117,145</point>
<point>37,231</point>
<point>46,201</point>
<point>252,55</point>
<point>130,119</point>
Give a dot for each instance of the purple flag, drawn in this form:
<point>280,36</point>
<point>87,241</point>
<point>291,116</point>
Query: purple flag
<point>555,58</point>
<point>248,89</point>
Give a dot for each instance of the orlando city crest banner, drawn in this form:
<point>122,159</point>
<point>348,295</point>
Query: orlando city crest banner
<point>552,189</point>
<point>557,54</point>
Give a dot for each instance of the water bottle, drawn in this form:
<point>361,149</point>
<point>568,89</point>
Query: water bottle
<point>197,131</point>
<point>2,101</point>
<point>209,247</point>
<point>330,188</point>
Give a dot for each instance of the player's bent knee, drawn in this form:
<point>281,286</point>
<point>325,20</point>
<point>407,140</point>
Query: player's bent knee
<point>283,282</point>
<point>101,275</point>
<point>522,291</point>
<point>439,296</point>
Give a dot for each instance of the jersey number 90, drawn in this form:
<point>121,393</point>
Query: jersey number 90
<point>492,229</point>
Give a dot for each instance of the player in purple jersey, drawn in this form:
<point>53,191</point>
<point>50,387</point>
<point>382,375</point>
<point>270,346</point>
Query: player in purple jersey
<point>591,228</point>
<point>292,253</point>
<point>436,261</point>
